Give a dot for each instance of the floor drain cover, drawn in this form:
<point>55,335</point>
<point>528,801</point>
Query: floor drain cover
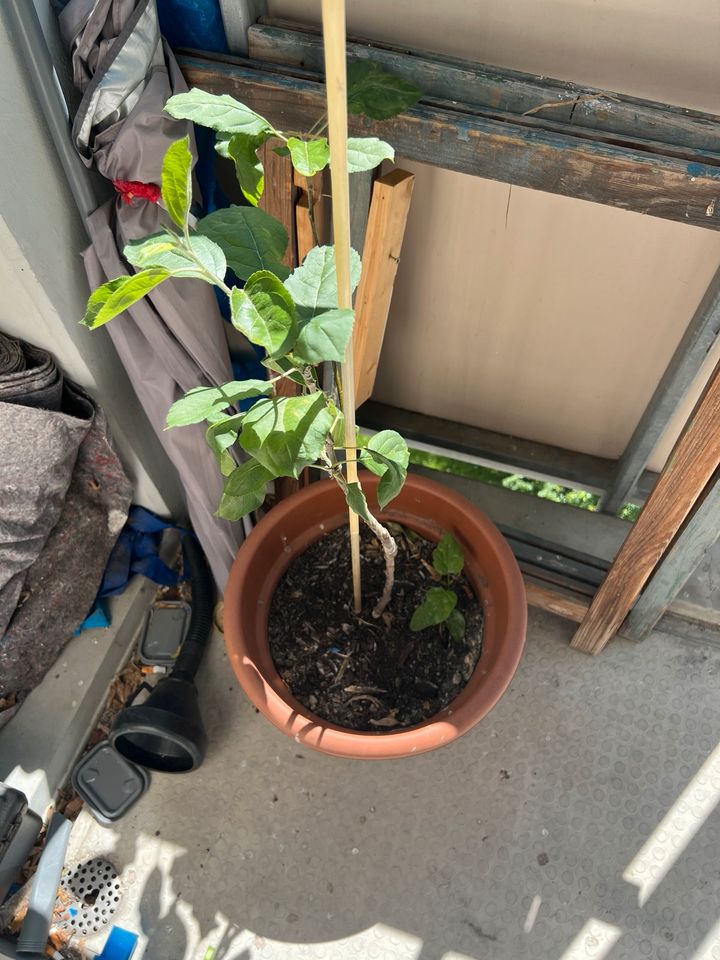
<point>94,889</point>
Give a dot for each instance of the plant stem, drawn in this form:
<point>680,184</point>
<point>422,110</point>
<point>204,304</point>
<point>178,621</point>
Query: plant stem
<point>389,546</point>
<point>387,541</point>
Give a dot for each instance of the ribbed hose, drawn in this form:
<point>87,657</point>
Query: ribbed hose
<point>201,619</point>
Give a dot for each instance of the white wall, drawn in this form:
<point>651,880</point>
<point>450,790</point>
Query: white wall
<point>556,317</point>
<point>43,285</point>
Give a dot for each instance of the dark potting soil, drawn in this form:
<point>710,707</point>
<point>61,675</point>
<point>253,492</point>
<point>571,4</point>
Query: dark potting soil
<point>358,672</point>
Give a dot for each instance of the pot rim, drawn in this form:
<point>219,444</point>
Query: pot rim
<point>267,691</point>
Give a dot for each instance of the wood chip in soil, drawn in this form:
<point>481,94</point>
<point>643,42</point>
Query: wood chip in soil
<point>358,672</point>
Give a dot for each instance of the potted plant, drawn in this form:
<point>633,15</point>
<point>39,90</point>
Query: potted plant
<point>441,629</point>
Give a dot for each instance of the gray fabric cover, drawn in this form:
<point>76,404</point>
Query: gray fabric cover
<point>64,498</point>
<point>174,339</point>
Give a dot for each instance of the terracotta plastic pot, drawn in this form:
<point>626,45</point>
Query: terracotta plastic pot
<point>426,507</point>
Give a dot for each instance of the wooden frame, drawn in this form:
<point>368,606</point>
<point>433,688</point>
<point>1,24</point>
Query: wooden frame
<point>647,157</point>
<point>636,177</point>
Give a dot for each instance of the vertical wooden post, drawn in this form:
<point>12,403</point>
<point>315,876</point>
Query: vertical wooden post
<point>278,200</point>
<point>385,231</point>
<point>333,17</point>
<point>685,476</point>
<point>697,536</point>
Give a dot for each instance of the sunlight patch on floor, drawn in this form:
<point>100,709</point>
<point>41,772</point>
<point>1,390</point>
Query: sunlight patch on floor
<point>595,941</point>
<point>677,828</point>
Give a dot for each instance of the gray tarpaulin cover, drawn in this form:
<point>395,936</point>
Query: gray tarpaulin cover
<point>174,340</point>
<point>64,498</point>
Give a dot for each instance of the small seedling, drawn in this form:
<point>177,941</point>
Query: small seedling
<point>440,603</point>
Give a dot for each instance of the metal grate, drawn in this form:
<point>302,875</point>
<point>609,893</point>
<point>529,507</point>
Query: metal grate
<point>95,889</point>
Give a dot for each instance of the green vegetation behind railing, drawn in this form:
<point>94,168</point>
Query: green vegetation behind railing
<point>545,489</point>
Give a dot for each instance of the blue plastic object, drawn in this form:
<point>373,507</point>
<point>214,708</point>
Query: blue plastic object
<point>120,945</point>
<point>137,551</point>
<point>193,23</point>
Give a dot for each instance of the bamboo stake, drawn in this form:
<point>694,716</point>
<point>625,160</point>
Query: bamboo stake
<point>333,18</point>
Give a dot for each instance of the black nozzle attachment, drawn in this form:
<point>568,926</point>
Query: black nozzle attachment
<point>165,732</point>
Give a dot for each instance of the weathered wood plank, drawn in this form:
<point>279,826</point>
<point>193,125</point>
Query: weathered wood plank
<point>692,463</point>
<point>482,85</point>
<point>278,198</point>
<point>603,173</point>
<point>309,190</point>
<point>361,185</point>
<point>554,602</point>
<point>498,450</point>
<point>383,243</point>
<point>699,337</point>
<point>698,535</point>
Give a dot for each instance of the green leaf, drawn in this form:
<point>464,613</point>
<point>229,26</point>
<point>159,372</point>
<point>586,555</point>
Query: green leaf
<point>242,150</point>
<point>309,156</point>
<point>447,557</point>
<point>365,153</point>
<point>281,151</point>
<point>325,337</point>
<point>218,111</point>
<point>377,93</point>
<point>147,252</point>
<point>387,455</point>
<point>356,500</point>
<point>286,434</point>
<point>113,297</point>
<point>435,608</point>
<point>220,436</point>
<point>244,490</point>
<point>177,180</point>
<point>250,239</point>
<point>313,286</point>
<point>456,626</point>
<point>203,403</point>
<point>263,310</point>
<point>174,257</point>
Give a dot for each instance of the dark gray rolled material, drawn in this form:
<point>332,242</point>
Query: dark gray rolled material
<point>28,375</point>
<point>64,498</point>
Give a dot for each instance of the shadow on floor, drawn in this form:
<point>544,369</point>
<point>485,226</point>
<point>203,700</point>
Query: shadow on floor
<point>510,843</point>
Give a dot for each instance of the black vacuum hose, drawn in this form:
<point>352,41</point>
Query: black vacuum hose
<point>201,618</point>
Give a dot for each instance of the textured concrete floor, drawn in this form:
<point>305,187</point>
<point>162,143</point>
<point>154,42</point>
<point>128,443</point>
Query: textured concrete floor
<point>575,821</point>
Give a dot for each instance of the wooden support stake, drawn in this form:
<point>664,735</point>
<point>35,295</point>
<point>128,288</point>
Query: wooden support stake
<point>333,18</point>
<point>689,468</point>
<point>383,242</point>
<point>278,200</point>
<point>303,225</point>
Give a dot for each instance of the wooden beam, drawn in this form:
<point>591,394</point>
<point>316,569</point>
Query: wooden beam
<point>501,90</point>
<point>361,185</point>
<point>278,198</point>
<point>700,336</point>
<point>697,537</point>
<point>305,241</point>
<point>307,188</point>
<point>383,243</point>
<point>498,450</point>
<point>692,463</point>
<point>554,602</point>
<point>657,185</point>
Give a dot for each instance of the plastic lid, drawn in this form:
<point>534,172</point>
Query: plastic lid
<point>109,783</point>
